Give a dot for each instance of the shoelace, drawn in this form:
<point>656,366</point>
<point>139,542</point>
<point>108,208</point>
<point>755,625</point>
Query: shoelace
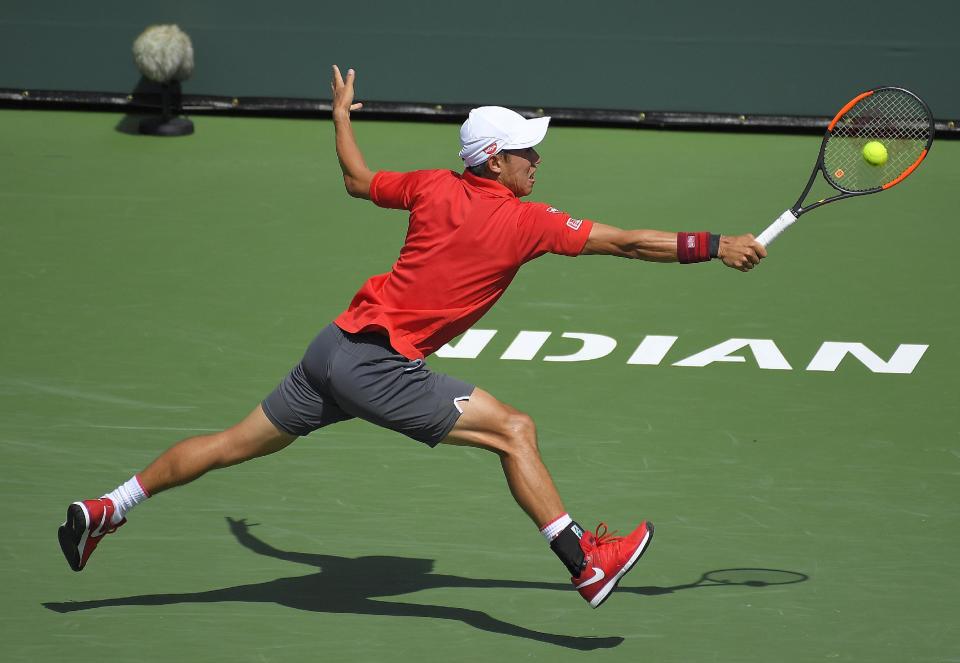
<point>604,537</point>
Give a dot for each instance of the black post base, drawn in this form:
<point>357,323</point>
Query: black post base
<point>158,126</point>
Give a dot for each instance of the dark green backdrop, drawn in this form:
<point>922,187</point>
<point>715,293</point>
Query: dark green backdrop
<point>754,57</point>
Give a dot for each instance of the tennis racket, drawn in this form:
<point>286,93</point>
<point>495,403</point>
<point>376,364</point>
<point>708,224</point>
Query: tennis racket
<point>896,118</point>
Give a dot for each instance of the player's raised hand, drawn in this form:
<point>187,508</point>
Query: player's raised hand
<point>343,92</point>
<point>741,252</point>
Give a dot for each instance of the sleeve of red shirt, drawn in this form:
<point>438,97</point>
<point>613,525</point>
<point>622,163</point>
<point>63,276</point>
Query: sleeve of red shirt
<point>397,190</point>
<point>544,229</point>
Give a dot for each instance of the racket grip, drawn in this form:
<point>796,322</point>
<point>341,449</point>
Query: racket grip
<point>773,231</point>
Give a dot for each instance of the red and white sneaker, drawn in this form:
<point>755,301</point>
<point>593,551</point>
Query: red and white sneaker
<point>87,523</point>
<point>608,558</point>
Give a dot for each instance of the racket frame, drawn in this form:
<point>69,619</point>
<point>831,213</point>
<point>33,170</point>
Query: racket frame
<point>794,212</point>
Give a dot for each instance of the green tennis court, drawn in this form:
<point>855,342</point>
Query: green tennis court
<point>805,495</point>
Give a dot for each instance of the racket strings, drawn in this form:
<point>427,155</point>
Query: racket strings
<point>896,119</point>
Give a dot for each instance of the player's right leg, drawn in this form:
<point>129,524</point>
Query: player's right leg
<point>88,521</point>
<point>597,561</point>
<point>490,424</point>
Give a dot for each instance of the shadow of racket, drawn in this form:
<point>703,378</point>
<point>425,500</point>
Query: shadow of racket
<point>744,577</point>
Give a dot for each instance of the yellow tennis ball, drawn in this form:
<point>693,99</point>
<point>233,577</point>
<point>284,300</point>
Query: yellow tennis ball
<point>875,153</point>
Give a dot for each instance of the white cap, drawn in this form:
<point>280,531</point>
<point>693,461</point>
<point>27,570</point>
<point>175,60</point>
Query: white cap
<point>490,129</point>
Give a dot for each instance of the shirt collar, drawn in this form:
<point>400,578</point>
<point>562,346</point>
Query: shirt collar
<point>491,187</point>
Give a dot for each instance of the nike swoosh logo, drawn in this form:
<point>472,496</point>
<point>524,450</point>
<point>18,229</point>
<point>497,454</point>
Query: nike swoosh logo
<point>598,575</point>
<point>99,530</point>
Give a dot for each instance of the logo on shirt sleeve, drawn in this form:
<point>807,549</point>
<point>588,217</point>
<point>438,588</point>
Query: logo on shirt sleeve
<point>574,224</point>
<point>553,210</point>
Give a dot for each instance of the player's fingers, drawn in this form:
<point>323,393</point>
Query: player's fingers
<point>356,106</point>
<point>760,249</point>
<point>337,78</point>
<point>351,75</point>
<point>752,257</point>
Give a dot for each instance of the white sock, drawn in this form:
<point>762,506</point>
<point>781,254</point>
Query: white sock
<point>552,529</point>
<point>125,497</point>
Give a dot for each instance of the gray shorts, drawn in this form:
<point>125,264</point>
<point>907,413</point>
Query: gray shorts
<point>343,375</point>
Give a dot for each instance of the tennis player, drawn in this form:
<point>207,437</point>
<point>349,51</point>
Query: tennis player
<point>469,233</point>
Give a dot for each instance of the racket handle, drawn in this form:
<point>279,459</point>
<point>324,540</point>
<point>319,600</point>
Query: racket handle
<point>774,229</point>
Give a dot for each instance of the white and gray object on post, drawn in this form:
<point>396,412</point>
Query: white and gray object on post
<point>164,55</point>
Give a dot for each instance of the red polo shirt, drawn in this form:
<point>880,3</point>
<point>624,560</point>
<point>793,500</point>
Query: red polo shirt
<point>467,238</point>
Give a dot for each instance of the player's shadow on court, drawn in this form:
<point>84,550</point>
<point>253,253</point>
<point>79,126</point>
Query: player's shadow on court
<point>350,585</point>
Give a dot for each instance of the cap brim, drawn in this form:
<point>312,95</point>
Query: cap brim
<point>533,132</point>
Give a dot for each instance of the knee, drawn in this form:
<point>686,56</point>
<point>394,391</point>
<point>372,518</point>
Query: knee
<point>520,432</point>
<point>229,448</point>
<point>221,449</point>
<point>241,443</point>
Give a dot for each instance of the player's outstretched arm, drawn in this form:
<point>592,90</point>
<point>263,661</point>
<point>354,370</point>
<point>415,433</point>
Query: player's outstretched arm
<point>737,251</point>
<point>356,175</point>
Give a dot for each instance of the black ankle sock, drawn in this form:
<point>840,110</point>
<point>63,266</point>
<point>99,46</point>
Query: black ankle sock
<point>567,547</point>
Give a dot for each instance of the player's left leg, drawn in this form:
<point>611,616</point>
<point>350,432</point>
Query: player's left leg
<point>295,408</point>
<point>88,521</point>
<point>193,457</point>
